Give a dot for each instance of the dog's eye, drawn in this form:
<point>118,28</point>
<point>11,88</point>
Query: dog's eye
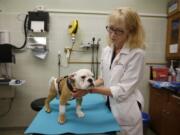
<point>83,77</point>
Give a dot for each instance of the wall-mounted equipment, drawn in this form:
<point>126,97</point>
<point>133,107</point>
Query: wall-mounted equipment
<point>38,46</point>
<point>38,27</point>
<point>72,30</point>
<point>38,21</point>
<point>4,37</point>
<point>6,58</point>
<point>6,55</point>
<point>5,48</point>
<point>94,64</point>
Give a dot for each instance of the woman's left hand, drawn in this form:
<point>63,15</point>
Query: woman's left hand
<point>79,93</point>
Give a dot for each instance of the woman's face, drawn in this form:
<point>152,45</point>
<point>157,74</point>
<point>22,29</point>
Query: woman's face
<point>118,33</point>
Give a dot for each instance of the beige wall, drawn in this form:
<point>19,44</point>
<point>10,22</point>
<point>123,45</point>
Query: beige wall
<point>148,6</point>
<point>36,72</point>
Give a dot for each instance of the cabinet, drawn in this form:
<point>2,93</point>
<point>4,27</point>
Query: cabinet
<point>173,37</point>
<point>164,111</point>
<point>171,117</point>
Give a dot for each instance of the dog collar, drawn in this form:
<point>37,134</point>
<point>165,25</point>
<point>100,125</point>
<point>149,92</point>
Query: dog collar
<point>69,85</point>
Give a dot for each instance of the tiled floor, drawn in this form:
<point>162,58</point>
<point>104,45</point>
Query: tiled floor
<point>20,131</point>
<point>149,132</point>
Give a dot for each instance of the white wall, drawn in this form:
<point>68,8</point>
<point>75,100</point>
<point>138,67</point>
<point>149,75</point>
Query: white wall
<point>148,6</point>
<point>37,72</point>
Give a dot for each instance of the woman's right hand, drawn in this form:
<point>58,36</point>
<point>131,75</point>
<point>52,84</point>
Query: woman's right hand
<point>79,93</point>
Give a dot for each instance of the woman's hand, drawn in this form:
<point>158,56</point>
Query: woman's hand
<point>79,93</point>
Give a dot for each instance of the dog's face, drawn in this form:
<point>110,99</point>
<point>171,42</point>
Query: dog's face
<point>83,79</point>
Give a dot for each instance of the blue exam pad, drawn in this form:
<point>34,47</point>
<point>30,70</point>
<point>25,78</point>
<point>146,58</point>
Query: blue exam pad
<point>98,119</point>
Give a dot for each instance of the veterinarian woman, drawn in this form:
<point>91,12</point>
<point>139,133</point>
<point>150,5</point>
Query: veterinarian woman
<point>122,65</point>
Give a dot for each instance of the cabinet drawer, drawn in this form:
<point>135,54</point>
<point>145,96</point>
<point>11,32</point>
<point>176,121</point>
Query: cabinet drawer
<point>158,100</point>
<point>171,117</point>
<point>159,94</point>
<point>176,100</point>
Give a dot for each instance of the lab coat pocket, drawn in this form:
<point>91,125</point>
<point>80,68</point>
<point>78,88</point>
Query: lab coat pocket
<point>127,113</point>
<point>117,72</point>
<point>105,71</point>
<point>134,114</point>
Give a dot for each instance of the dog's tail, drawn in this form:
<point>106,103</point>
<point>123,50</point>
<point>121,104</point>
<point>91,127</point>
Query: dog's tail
<point>50,80</point>
<point>55,84</point>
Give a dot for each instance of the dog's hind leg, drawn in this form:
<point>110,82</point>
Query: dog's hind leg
<point>52,95</point>
<point>47,101</point>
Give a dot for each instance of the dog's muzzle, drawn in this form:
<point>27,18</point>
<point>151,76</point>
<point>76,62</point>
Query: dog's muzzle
<point>91,82</point>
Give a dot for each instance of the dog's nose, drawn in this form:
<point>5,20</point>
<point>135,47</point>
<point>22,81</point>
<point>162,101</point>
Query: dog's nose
<point>90,80</point>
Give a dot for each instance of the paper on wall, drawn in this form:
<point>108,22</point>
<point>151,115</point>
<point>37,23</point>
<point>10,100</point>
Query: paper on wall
<point>173,48</point>
<point>37,26</point>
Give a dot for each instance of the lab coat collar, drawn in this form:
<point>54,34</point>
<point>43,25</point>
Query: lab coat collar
<point>124,50</point>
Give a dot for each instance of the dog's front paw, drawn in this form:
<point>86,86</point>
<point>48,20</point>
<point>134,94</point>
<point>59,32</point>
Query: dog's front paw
<point>80,114</point>
<point>62,119</point>
<point>47,109</point>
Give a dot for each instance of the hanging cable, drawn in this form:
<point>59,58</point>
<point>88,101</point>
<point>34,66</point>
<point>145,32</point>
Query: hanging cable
<point>97,54</point>
<point>92,65</point>
<point>25,34</point>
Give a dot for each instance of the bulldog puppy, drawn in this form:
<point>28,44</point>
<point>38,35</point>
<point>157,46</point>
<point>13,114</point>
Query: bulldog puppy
<point>63,87</point>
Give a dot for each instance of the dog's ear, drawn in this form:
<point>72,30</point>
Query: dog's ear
<point>92,74</point>
<point>72,76</point>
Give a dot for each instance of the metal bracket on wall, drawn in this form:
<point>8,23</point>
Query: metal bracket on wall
<point>82,62</point>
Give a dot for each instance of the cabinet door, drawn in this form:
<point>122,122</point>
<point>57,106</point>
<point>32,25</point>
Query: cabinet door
<point>171,117</point>
<point>173,37</point>
<point>158,99</point>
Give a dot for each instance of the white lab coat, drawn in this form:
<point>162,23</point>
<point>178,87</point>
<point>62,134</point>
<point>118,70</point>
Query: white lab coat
<point>122,79</point>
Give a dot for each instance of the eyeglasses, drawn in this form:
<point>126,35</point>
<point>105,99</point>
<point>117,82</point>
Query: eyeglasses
<point>116,31</point>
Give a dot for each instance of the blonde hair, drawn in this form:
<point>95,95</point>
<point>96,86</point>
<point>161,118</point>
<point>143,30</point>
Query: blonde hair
<point>136,34</point>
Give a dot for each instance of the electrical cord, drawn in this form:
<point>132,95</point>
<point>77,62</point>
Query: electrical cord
<point>9,107</point>
<point>25,33</point>
<point>10,104</point>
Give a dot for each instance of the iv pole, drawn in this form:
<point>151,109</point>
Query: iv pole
<point>59,63</point>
